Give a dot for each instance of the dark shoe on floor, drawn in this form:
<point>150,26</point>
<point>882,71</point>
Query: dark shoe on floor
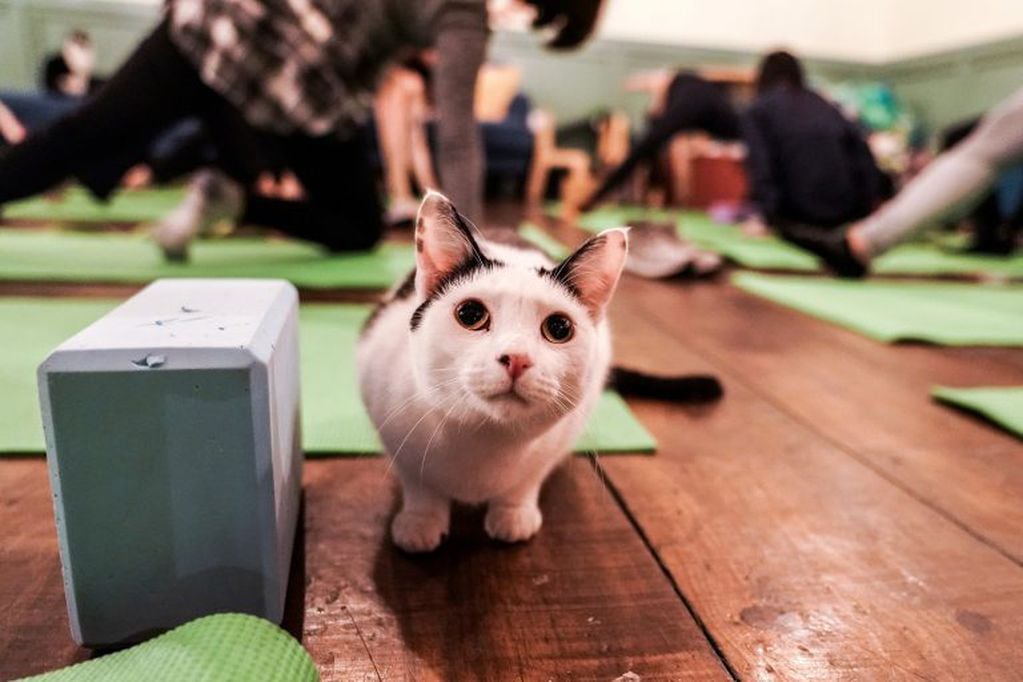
<point>1000,241</point>
<point>831,246</point>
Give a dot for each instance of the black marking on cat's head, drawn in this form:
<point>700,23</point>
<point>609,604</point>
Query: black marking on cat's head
<point>407,288</point>
<point>564,272</point>
<point>465,270</point>
<point>404,291</point>
<point>469,230</point>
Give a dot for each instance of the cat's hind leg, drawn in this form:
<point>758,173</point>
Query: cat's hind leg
<point>423,521</point>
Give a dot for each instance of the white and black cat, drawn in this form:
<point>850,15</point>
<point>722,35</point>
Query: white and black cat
<point>481,369</point>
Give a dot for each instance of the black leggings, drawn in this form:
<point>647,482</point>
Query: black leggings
<point>691,103</point>
<point>156,87</point>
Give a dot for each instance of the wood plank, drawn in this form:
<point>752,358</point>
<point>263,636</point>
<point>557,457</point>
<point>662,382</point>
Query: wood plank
<point>584,600</point>
<point>801,562</point>
<point>34,632</point>
<point>872,399</point>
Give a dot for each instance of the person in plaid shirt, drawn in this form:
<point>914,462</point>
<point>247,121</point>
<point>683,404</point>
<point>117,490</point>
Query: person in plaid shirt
<point>287,84</point>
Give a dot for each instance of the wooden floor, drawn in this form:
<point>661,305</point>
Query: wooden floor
<point>825,520</point>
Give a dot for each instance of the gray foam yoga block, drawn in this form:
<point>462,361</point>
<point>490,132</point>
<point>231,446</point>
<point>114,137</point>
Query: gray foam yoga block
<point>173,444</point>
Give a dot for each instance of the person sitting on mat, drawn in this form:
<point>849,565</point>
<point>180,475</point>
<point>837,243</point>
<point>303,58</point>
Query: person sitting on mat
<point>953,180</point>
<point>691,103</point>
<point>287,85</point>
<point>806,162</point>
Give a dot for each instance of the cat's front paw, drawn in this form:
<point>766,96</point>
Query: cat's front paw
<point>513,524</point>
<point>417,532</point>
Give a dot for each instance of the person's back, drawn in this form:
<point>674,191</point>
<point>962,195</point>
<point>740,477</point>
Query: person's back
<point>807,162</point>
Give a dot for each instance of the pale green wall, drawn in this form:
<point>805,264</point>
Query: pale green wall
<point>30,29</point>
<point>574,84</point>
<point>950,86</point>
<point>941,88</point>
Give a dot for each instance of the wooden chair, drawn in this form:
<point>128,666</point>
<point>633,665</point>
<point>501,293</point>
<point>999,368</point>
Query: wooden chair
<point>547,157</point>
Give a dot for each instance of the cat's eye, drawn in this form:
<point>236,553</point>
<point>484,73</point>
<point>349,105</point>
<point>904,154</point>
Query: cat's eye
<point>472,315</point>
<point>557,328</point>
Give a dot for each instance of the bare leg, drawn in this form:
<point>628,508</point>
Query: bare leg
<point>399,105</point>
<point>419,148</point>
<point>393,134</point>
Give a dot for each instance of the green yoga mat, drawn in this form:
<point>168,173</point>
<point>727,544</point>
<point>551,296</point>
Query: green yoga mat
<point>1003,406</point>
<point>533,234</point>
<point>76,205</point>
<point>926,258</point>
<point>934,312</point>
<point>221,648</point>
<point>55,256</point>
<point>333,419</point>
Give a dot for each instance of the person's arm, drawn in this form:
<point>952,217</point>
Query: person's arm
<point>10,127</point>
<point>764,192</point>
<point>461,44</point>
<point>952,180</point>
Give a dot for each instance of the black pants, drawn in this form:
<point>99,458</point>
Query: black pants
<point>691,103</point>
<point>157,87</point>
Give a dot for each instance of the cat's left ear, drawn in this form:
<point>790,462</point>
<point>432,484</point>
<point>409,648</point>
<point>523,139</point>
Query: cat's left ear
<point>592,272</point>
<point>445,241</point>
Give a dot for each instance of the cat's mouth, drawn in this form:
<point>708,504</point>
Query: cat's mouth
<point>509,396</point>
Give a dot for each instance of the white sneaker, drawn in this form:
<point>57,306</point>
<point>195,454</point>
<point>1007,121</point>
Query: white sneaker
<point>211,198</point>
<point>401,212</point>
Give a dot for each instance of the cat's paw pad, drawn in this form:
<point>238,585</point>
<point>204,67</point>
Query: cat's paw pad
<point>415,532</point>
<point>513,524</point>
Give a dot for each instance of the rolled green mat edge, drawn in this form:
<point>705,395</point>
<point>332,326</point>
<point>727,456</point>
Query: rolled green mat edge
<point>533,234</point>
<point>986,402</point>
<point>218,648</point>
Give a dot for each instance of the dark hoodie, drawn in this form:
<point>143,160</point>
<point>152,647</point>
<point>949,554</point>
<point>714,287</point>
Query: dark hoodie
<point>806,162</point>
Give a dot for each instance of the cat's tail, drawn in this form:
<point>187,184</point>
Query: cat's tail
<point>691,388</point>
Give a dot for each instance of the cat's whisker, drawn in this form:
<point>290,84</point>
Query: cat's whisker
<point>425,393</point>
<point>456,402</point>
<point>426,414</point>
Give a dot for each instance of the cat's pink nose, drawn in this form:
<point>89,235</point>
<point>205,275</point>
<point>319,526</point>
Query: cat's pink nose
<point>515,364</point>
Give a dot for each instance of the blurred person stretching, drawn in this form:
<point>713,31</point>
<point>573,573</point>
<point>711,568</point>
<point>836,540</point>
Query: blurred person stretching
<point>806,162</point>
<point>955,179</point>
<point>285,84</point>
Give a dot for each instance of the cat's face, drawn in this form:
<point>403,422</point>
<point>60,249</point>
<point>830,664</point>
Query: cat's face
<point>502,334</point>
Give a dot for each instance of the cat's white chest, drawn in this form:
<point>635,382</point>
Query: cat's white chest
<point>470,462</point>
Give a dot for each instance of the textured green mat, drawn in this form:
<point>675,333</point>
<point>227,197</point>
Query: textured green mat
<point>934,312</point>
<point>76,205</point>
<point>772,253</point>
<point>333,419</point>
<point>221,648</point>
<point>55,256</point>
<point>536,236</point>
<point>1003,406</point>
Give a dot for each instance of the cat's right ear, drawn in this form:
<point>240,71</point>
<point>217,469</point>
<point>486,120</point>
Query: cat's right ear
<point>593,271</point>
<point>445,242</point>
